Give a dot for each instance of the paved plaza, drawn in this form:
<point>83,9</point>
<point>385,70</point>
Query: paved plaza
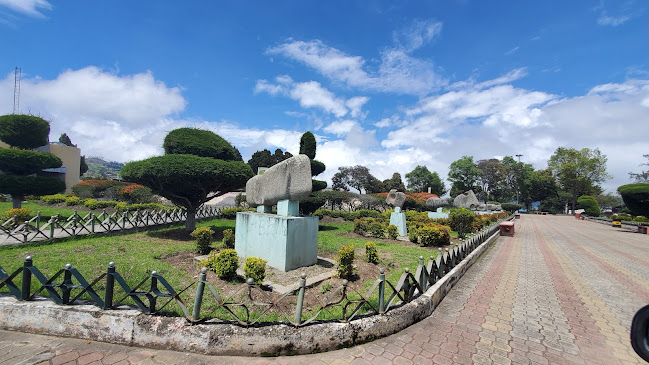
<point>561,291</point>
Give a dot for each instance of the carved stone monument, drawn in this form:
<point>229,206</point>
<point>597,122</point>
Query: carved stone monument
<point>466,200</point>
<point>286,240</point>
<point>398,218</point>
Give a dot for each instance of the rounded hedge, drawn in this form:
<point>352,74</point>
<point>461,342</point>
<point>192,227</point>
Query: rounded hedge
<point>199,142</point>
<point>183,178</point>
<point>317,167</point>
<point>26,162</point>
<point>308,145</point>
<point>24,131</point>
<point>589,205</point>
<point>30,185</point>
<point>636,198</point>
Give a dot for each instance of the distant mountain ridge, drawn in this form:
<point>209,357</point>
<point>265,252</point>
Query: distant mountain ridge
<point>100,168</point>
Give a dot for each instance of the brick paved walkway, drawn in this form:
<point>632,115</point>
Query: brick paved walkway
<point>562,291</point>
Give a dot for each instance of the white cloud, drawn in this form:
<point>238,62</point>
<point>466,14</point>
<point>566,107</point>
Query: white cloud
<point>312,95</point>
<point>417,34</point>
<point>28,7</point>
<point>355,105</point>
<point>397,71</point>
<point>612,20</point>
<point>341,127</point>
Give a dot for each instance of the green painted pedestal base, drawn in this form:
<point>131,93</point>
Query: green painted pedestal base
<point>287,243</point>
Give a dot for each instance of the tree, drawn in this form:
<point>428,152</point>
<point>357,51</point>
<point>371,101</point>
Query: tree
<point>608,200</point>
<point>578,171</point>
<point>83,166</point>
<point>420,179</point>
<point>198,165</point>
<point>66,140</point>
<point>263,158</point>
<point>314,201</point>
<point>464,176</point>
<point>518,181</point>
<point>358,177</point>
<point>374,186</point>
<point>493,180</point>
<point>636,198</point>
<point>642,176</point>
<point>19,164</point>
<point>394,182</point>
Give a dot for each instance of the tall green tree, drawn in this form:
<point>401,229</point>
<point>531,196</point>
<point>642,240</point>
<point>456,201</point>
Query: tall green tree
<point>264,158</point>
<point>394,182</point>
<point>579,172</point>
<point>420,179</point>
<point>357,177</point>
<point>20,165</point>
<point>493,181</point>
<point>464,176</point>
<point>198,165</point>
<point>636,198</point>
<point>518,180</point>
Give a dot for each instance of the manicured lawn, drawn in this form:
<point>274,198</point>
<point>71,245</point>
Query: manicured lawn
<point>46,210</point>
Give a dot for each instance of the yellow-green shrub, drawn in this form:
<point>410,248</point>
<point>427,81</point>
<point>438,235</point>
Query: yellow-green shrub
<point>255,268</point>
<point>371,253</point>
<point>20,214</point>
<point>346,261</point>
<point>203,236</point>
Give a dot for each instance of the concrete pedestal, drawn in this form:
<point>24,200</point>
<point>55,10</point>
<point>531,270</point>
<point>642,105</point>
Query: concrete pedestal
<point>285,242</point>
<point>398,218</point>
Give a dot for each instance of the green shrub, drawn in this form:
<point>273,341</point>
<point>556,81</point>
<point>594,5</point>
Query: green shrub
<point>226,263</point>
<point>510,207</point>
<point>346,261</point>
<point>589,205</point>
<point>12,127</point>
<point>83,191</point>
<point>20,214</point>
<point>135,193</point>
<point>95,204</point>
<point>371,253</point>
<point>393,232</point>
<point>361,226</point>
<point>255,268</point>
<point>203,236</point>
<point>621,217</point>
<point>73,200</point>
<point>54,199</point>
<point>124,206</point>
<point>413,234</point>
<point>641,219</point>
<point>228,238</point>
<point>377,230</point>
<point>231,213</point>
<point>435,235</point>
<point>461,220</point>
<point>636,198</point>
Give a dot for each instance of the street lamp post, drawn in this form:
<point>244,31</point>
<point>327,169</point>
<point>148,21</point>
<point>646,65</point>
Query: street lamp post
<point>518,179</point>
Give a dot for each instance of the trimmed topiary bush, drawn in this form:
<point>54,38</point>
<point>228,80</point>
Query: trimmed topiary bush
<point>73,200</point>
<point>371,253</point>
<point>413,234</point>
<point>55,198</point>
<point>636,198</point>
<point>203,236</point>
<point>589,205</point>
<point>510,207</point>
<point>461,220</point>
<point>393,232</point>
<point>198,142</point>
<point>435,235</point>
<point>226,263</point>
<point>255,268</point>
<point>228,238</point>
<point>346,261</point>
<point>24,131</point>
<point>21,215</point>
<point>377,230</point>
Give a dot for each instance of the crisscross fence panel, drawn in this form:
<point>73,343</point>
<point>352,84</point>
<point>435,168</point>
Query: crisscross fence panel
<point>36,229</point>
<point>251,305</point>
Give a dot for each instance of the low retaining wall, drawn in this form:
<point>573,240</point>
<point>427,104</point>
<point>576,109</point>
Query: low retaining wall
<point>133,328</point>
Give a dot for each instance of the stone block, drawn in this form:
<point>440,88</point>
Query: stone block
<point>288,180</point>
<point>466,200</point>
<point>395,198</point>
<point>286,242</point>
<point>399,220</point>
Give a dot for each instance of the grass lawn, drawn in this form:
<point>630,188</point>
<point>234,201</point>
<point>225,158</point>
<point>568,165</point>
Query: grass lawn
<point>137,254</point>
<point>46,210</point>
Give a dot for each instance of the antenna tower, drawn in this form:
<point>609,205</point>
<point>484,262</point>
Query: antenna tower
<point>17,74</point>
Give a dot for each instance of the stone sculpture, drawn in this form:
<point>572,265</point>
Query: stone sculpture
<point>286,240</point>
<point>395,198</point>
<point>436,202</point>
<point>466,200</point>
<point>288,180</point>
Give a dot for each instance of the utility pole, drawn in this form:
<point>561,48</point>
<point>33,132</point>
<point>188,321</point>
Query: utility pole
<point>17,75</point>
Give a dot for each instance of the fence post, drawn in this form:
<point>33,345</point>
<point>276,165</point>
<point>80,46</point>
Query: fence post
<point>381,291</point>
<point>196,312</point>
<point>27,279</point>
<point>92,223</point>
<point>67,283</point>
<point>422,276</point>
<point>38,221</point>
<point>110,284</point>
<point>51,221</point>
<point>300,300</point>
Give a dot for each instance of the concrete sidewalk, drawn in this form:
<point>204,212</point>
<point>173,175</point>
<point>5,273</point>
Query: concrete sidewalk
<point>562,291</point>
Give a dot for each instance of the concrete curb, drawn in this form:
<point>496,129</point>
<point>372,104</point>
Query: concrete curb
<point>133,328</point>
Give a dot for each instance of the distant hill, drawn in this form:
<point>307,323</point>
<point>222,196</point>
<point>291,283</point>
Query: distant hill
<point>102,169</point>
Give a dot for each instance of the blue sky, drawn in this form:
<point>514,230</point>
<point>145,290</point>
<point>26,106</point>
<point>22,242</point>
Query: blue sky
<point>389,85</point>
